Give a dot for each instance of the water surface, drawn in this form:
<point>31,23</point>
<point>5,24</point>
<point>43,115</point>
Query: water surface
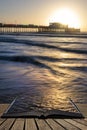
<point>43,70</point>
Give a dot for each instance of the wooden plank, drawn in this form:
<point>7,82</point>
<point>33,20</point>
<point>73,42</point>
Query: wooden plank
<point>66,124</point>
<point>83,109</point>
<point>2,120</point>
<point>42,125</point>
<point>3,107</point>
<point>54,125</point>
<point>85,119</point>
<point>82,121</point>
<point>18,125</point>
<point>30,124</point>
<point>7,124</point>
<point>77,124</point>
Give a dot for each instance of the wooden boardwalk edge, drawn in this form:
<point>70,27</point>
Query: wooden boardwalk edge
<point>42,124</point>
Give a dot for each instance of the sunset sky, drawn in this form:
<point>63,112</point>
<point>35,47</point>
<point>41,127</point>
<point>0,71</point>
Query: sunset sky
<point>41,12</point>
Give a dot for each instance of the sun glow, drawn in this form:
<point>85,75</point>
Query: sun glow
<point>66,16</point>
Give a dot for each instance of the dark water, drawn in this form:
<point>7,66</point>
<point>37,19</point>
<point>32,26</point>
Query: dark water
<point>43,70</point>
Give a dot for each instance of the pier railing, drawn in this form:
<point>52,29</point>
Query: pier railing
<point>18,28</point>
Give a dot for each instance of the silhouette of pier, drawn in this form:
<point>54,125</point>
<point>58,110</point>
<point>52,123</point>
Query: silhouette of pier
<point>53,27</point>
<point>18,28</point>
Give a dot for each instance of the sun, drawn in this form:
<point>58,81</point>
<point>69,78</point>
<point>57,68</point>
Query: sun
<point>66,16</point>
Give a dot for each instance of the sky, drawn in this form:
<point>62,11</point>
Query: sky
<point>39,12</point>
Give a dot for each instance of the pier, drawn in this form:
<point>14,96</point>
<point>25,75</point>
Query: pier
<point>53,27</point>
<point>8,28</point>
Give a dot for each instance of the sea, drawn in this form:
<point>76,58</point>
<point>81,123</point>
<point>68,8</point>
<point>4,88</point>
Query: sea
<point>43,71</point>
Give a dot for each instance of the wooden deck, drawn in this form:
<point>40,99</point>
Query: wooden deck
<point>42,124</point>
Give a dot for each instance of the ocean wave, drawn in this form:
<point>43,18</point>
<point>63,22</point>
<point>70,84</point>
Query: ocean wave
<point>36,59</point>
<point>24,59</point>
<point>76,68</point>
<point>53,59</point>
<point>42,62</point>
<point>43,45</point>
<point>67,35</point>
<point>70,42</point>
<point>73,50</point>
<point>7,52</point>
<point>31,60</point>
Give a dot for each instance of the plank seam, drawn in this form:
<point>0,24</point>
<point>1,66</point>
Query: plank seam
<point>12,124</point>
<point>48,125</point>
<point>59,124</point>
<point>24,123</point>
<point>36,124</point>
<point>73,125</point>
<point>80,122</point>
<point>3,121</point>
